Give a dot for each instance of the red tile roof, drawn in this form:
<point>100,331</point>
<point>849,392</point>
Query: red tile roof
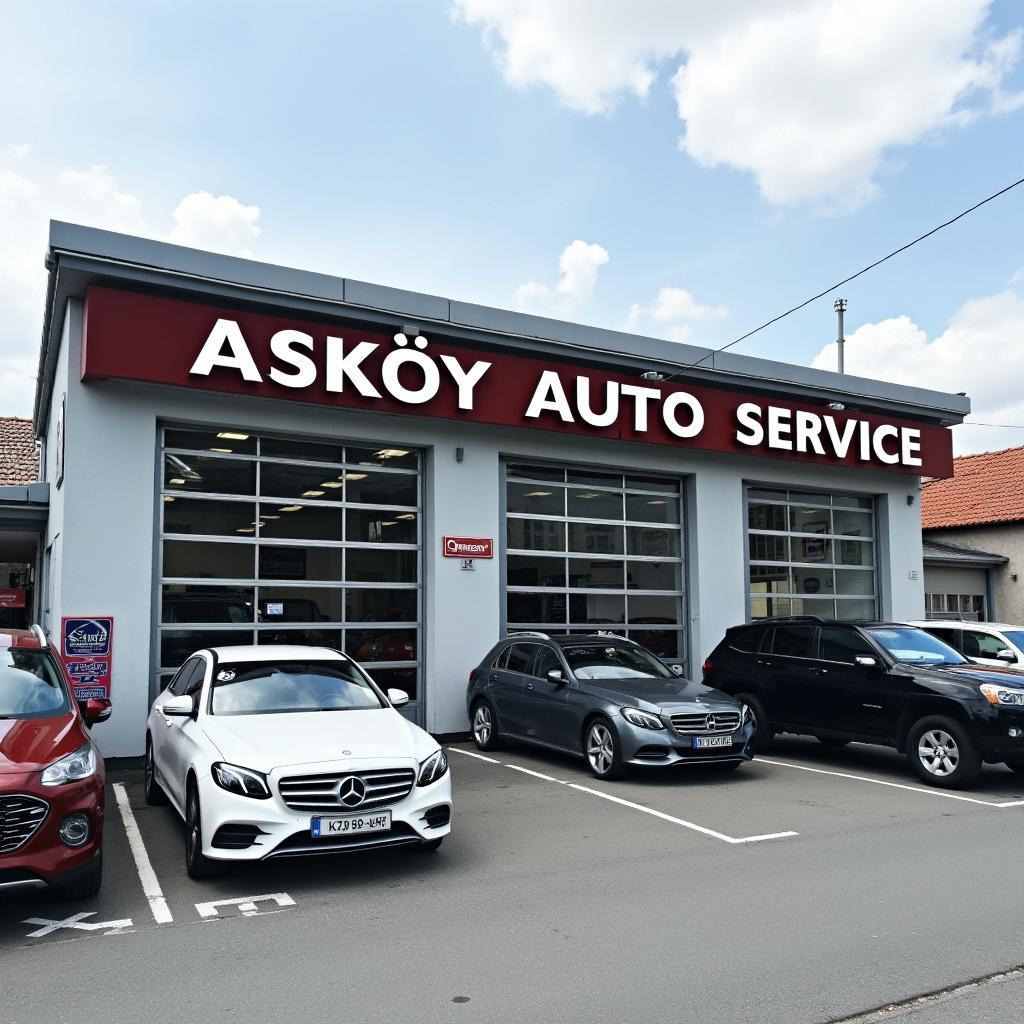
<point>19,458</point>
<point>984,488</point>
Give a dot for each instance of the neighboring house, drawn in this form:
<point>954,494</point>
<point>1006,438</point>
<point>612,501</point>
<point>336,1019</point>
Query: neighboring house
<point>973,529</point>
<point>19,455</point>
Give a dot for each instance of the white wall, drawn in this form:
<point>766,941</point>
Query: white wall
<point>106,511</point>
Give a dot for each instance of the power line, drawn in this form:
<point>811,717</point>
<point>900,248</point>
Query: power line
<point>1008,426</point>
<point>846,280</point>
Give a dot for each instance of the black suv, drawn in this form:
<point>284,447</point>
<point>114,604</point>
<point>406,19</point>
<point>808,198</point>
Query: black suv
<point>874,682</point>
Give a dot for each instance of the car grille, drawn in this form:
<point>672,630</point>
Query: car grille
<point>20,816</point>
<point>324,792</point>
<point>706,723</point>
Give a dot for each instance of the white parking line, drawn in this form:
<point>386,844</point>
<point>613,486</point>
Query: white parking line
<point>999,805</point>
<point>147,876</point>
<point>692,826</point>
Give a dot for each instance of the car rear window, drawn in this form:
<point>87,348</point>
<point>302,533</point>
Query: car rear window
<point>793,641</point>
<point>31,685</point>
<point>747,640</point>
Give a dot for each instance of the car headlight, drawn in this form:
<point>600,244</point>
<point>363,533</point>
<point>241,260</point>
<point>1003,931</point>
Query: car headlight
<point>748,714</point>
<point>72,767</point>
<point>642,719</point>
<point>433,768</point>
<point>996,694</point>
<point>241,781</point>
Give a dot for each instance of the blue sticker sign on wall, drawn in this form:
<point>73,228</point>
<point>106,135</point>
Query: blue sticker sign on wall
<point>87,638</point>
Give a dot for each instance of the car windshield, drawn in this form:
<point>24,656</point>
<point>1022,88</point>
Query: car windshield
<point>912,646</point>
<point>31,685</point>
<point>1016,637</point>
<point>279,687</point>
<point>614,661</point>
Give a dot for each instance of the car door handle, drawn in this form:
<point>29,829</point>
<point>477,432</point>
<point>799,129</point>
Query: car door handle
<point>529,686</point>
<point>819,671</point>
<point>493,677</point>
<point>763,661</point>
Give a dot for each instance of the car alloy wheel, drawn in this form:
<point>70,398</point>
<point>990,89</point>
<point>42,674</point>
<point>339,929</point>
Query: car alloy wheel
<point>600,748</point>
<point>938,752</point>
<point>483,725</point>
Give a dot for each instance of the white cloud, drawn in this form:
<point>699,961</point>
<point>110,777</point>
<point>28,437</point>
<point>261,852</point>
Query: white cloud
<point>670,306</point>
<point>809,96</point>
<point>217,223</point>
<point>579,264</point>
<point>31,194</point>
<point>979,352</point>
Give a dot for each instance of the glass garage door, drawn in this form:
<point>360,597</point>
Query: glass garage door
<point>589,550</point>
<point>811,553</point>
<point>272,540</point>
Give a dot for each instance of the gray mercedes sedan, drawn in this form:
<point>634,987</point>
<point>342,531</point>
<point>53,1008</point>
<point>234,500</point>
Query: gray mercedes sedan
<point>606,699</point>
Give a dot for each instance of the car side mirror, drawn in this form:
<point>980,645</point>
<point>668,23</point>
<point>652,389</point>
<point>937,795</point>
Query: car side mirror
<point>677,670</point>
<point>178,707</point>
<point>398,698</point>
<point>95,709</point>
<point>1006,655</point>
<point>865,661</point>
<point>555,675</point>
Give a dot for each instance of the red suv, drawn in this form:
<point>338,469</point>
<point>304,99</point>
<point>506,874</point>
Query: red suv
<point>51,775</point>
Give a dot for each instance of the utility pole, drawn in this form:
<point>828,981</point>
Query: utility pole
<point>840,307</point>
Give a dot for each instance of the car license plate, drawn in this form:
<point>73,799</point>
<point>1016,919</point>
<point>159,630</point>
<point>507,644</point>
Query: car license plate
<point>349,825</point>
<point>712,741</point>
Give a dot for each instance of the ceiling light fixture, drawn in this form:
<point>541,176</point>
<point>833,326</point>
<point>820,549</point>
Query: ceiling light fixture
<point>588,495</point>
<point>658,501</point>
<point>355,476</point>
<point>538,494</point>
<point>406,515</point>
<point>230,435</point>
<point>223,451</point>
<point>177,481</point>
<point>290,508</point>
<point>312,494</point>
<point>390,453</point>
<point>331,484</point>
<point>167,497</point>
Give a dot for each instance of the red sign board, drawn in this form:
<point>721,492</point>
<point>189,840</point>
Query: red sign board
<point>13,598</point>
<point>467,547</point>
<point>136,337</point>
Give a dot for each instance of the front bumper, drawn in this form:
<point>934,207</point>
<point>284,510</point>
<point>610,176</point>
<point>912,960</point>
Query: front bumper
<point>238,828</point>
<point>44,860</point>
<point>667,747</point>
<point>993,726</point>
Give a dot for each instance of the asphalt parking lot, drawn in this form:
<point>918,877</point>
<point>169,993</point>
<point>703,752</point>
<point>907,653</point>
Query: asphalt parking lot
<point>809,886</point>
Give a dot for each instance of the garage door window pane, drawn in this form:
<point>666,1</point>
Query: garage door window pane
<point>300,604</point>
<point>767,517</point>
<point>211,475</point>
<point>305,451</point>
<point>381,488</point>
<point>189,558</point>
<point>654,576</point>
<point>390,457</point>
<point>652,508</point>
<point>586,572</point>
<point>300,522</point>
<point>596,609</point>
<point>368,645</point>
<point>296,562</point>
<point>381,566</point>
<point>536,499</point>
<point>212,518</point>
<point>642,540</point>
<point>535,571</point>
<point>535,609</point>
<point>585,503</point>
<point>380,605</point>
<point>380,526</point>
<point>852,581</point>
<point>222,605</point>
<point>536,535</point>
<point>235,443</point>
<point>279,480</point>
<point>662,642</point>
<point>650,609</point>
<point>176,645</point>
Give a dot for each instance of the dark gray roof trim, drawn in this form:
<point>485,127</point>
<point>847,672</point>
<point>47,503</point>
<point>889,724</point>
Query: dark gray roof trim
<point>78,253</point>
<point>936,553</point>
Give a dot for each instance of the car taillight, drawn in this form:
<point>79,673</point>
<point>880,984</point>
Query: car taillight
<point>473,674</point>
<point>707,666</point>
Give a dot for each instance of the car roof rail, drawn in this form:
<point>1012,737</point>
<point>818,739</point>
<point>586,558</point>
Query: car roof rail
<point>615,636</point>
<point>39,634</point>
<point>529,632</point>
<point>789,618</point>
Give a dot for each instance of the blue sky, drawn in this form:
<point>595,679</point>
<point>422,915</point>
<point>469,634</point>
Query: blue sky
<point>460,149</point>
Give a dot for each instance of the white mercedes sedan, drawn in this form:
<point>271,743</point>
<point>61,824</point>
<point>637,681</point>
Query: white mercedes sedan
<point>288,751</point>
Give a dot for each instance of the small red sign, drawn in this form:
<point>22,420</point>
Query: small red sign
<point>467,547</point>
<point>12,598</point>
